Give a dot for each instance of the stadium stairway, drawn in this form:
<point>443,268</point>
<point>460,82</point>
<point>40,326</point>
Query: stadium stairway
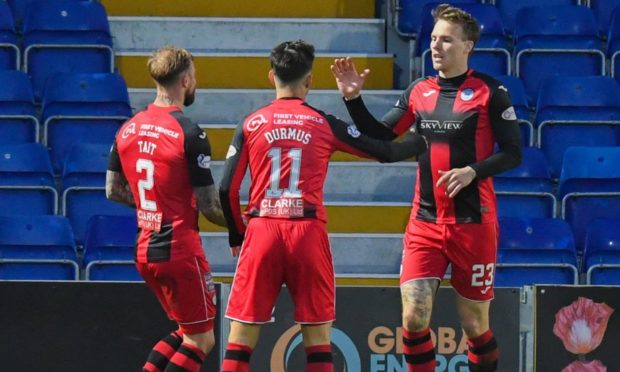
<point>368,203</point>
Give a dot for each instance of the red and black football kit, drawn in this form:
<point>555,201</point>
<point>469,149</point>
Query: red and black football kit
<point>287,146</point>
<point>164,155</point>
<point>462,118</point>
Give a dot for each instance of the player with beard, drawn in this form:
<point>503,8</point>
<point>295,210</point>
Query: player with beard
<point>159,164</point>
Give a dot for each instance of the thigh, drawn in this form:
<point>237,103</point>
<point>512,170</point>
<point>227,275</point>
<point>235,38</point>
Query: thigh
<point>423,253</point>
<point>472,249</point>
<point>147,271</point>
<point>310,271</point>
<point>259,275</point>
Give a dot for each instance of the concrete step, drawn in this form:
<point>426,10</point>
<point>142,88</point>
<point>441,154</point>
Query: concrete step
<point>249,70</point>
<point>145,34</point>
<point>355,181</point>
<point>231,106</point>
<point>220,137</point>
<point>353,217</point>
<point>243,8</point>
<point>354,254</point>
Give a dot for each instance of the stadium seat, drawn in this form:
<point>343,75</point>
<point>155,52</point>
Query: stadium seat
<point>522,108</point>
<point>83,188</point>
<point>526,191</point>
<point>602,252</point>
<point>509,8</point>
<point>27,184</point>
<point>409,14</point>
<point>37,248</point>
<point>9,52</point>
<point>18,121</point>
<point>491,56</point>
<point>65,36</point>
<point>613,44</point>
<point>535,251</point>
<point>556,41</point>
<point>576,111</point>
<point>589,187</point>
<point>603,10</point>
<point>88,108</point>
<point>109,247</point>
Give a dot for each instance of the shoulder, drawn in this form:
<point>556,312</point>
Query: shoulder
<point>492,83</point>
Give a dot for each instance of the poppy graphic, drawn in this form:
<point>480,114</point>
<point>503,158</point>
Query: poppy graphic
<point>582,324</point>
<point>591,366</point>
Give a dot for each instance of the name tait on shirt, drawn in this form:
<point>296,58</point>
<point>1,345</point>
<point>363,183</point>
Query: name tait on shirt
<point>147,147</point>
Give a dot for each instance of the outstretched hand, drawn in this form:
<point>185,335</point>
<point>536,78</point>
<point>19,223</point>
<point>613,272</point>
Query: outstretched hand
<point>349,82</point>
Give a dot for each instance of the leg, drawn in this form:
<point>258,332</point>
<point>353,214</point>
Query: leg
<point>192,352</point>
<point>160,356</point>
<point>483,351</point>
<point>317,343</point>
<point>417,299</point>
<point>241,341</point>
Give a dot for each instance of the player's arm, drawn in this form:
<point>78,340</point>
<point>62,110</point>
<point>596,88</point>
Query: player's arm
<point>116,186</point>
<point>198,155</point>
<point>347,138</point>
<point>235,167</point>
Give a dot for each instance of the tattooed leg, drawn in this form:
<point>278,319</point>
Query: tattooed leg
<point>417,298</point>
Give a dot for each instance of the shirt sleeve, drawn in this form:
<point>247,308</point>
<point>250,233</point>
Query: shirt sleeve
<point>400,118</point>
<point>235,168</point>
<point>198,155</point>
<point>507,135</point>
<point>349,139</point>
<point>114,163</point>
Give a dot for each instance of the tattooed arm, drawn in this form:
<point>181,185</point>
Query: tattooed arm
<point>117,189</point>
<point>209,204</point>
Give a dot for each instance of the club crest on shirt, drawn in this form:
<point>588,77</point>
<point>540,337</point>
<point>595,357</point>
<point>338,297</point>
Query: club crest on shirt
<point>353,131</point>
<point>255,121</point>
<point>509,114</point>
<point>467,94</point>
<point>203,161</point>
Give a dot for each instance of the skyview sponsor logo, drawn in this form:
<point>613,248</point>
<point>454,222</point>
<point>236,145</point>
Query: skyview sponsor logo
<point>443,126</point>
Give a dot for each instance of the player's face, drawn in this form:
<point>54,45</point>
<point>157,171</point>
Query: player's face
<point>190,93</point>
<point>449,50</point>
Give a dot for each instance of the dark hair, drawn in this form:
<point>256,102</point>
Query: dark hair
<point>167,63</point>
<point>471,28</point>
<point>292,60</point>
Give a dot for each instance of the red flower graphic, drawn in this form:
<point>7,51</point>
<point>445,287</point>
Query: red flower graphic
<point>582,324</point>
<point>592,366</point>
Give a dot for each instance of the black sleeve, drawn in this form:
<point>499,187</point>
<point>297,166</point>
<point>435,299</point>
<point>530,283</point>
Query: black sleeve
<point>349,139</point>
<point>507,135</point>
<point>235,167</point>
<point>394,123</point>
<point>114,164</point>
<point>197,153</point>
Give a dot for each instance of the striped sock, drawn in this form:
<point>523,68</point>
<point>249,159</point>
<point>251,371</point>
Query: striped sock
<point>237,358</point>
<point>483,353</point>
<point>162,352</point>
<point>419,350</point>
<point>188,358</point>
<point>319,358</point>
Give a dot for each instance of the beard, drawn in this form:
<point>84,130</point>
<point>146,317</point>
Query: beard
<point>189,97</point>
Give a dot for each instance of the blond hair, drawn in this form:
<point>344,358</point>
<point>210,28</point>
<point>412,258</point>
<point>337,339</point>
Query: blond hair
<point>168,63</point>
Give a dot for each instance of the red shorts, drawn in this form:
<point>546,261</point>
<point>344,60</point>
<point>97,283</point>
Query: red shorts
<point>470,248</point>
<point>185,290</point>
<point>291,252</point>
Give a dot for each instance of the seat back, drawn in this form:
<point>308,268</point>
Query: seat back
<point>509,8</point>
<point>590,169</point>
<point>532,175</point>
<point>603,9</point>
<point>410,13</point>
<point>613,44</point>
<point>602,251</point>
<point>18,121</point>
<point>110,238</point>
<point>9,55</point>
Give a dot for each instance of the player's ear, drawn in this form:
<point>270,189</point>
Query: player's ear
<point>308,82</point>
<point>272,77</point>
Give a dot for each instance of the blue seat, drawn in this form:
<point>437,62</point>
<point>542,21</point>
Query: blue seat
<point>83,188</point>
<point>509,8</point>
<point>602,10</point>
<point>526,191</point>
<point>109,246</point>
<point>409,15</point>
<point>27,184</point>
<point>535,251</point>
<point>556,41</point>
<point>522,107</point>
<point>65,36</point>
<point>37,248</point>
<point>9,52</point>
<point>18,117</point>
<point>88,108</point>
<point>491,54</point>
<point>576,111</point>
<point>613,44</point>
<point>602,252</point>
<point>589,187</point>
